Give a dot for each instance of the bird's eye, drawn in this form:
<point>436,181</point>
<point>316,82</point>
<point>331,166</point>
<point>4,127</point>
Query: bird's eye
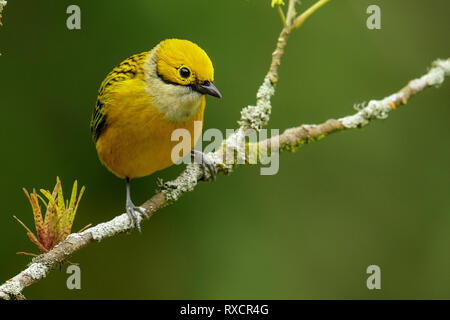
<point>185,73</point>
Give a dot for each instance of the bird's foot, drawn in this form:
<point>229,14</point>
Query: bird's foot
<point>206,163</point>
<point>132,212</point>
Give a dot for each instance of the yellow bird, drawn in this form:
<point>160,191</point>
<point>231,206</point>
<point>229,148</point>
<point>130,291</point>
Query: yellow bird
<point>142,101</point>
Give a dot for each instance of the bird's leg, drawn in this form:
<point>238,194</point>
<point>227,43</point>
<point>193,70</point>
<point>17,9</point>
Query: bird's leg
<point>205,162</point>
<point>132,210</point>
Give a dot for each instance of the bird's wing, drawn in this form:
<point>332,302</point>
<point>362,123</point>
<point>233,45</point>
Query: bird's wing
<point>127,69</point>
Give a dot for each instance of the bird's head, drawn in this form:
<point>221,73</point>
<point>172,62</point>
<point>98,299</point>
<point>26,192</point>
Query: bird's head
<point>181,62</point>
<point>178,74</point>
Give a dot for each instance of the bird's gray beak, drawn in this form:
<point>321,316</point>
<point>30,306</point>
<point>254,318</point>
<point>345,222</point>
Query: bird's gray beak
<point>207,88</point>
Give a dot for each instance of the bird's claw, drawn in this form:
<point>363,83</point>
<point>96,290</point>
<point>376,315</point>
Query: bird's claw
<point>206,164</point>
<point>132,212</point>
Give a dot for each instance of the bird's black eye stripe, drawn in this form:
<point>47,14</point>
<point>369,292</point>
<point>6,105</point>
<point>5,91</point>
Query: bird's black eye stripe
<point>185,73</point>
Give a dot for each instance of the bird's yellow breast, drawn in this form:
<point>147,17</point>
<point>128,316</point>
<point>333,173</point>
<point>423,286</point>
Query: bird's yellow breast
<point>136,140</point>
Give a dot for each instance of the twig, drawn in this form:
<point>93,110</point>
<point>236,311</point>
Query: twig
<point>281,13</point>
<point>2,6</point>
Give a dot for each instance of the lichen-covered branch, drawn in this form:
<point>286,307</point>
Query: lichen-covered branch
<point>379,109</point>
<point>252,117</point>
<point>2,6</point>
<point>290,140</point>
<point>298,22</point>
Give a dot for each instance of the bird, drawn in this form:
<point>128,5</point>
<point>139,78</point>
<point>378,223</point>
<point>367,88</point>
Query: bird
<point>141,102</point>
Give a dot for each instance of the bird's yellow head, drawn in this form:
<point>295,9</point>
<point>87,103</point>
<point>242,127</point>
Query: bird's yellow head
<point>181,62</point>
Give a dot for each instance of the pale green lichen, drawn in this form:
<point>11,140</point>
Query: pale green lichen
<point>360,106</point>
<point>376,109</point>
<point>254,117</point>
<point>379,109</point>
<point>13,287</point>
<point>2,6</point>
<point>234,146</point>
<point>293,147</point>
<point>277,3</point>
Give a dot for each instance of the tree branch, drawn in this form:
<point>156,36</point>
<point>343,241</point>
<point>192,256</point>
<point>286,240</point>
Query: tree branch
<point>251,117</point>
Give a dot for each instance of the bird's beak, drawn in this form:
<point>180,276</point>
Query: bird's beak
<point>207,87</point>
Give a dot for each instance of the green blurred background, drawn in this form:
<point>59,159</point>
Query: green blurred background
<point>380,195</point>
